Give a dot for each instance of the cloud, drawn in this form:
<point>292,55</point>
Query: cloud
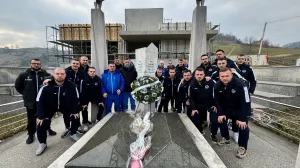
<point>25,24</point>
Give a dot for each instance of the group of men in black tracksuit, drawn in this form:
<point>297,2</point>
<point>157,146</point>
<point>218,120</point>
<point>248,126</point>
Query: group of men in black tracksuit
<point>68,91</point>
<point>222,89</point>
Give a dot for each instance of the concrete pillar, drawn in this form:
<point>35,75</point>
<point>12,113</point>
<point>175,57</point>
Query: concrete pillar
<point>298,158</point>
<point>99,58</point>
<point>198,44</point>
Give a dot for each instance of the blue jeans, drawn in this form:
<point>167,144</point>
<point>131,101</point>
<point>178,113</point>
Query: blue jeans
<point>127,95</point>
<point>110,100</point>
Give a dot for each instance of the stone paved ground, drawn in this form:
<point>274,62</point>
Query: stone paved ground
<point>266,149</point>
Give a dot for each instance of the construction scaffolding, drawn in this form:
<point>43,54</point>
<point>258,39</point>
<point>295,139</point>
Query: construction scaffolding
<point>67,41</point>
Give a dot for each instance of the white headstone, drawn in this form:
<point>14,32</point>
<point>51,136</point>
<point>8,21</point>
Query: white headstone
<point>146,60</point>
<point>146,65</point>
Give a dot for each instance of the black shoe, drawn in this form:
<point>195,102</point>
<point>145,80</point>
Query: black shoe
<point>90,123</point>
<point>214,139</point>
<point>51,132</point>
<point>204,124</point>
<point>30,139</point>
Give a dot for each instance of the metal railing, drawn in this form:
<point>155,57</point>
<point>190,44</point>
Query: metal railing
<point>12,121</point>
<point>285,122</point>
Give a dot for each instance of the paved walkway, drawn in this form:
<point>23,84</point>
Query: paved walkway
<point>265,150</point>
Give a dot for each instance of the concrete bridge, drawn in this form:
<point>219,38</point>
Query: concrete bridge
<point>266,147</point>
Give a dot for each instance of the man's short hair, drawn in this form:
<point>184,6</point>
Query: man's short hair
<point>180,59</point>
<point>92,68</point>
<point>204,55</point>
<point>200,69</point>
<point>171,68</point>
<point>225,69</point>
<point>222,59</point>
<point>241,55</point>
<point>127,58</point>
<point>160,69</point>
<point>59,68</point>
<point>170,60</point>
<point>187,71</point>
<point>75,59</point>
<point>35,59</point>
<point>83,57</point>
<point>220,50</point>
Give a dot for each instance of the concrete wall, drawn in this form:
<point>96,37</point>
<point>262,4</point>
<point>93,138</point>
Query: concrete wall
<point>143,19</point>
<point>278,74</point>
<point>9,74</point>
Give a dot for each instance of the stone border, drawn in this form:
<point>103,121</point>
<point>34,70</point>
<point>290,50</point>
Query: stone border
<point>68,154</point>
<point>207,152</point>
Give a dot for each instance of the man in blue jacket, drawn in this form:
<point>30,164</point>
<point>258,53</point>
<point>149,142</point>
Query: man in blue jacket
<point>59,95</point>
<point>162,66</point>
<point>112,87</point>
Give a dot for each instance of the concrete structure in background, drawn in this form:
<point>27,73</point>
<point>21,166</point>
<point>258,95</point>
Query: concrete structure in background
<point>253,60</point>
<point>99,58</point>
<point>289,74</point>
<point>198,45</point>
<point>298,158</point>
<point>298,62</point>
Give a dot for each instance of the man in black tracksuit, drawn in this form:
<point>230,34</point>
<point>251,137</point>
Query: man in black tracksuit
<point>170,91</point>
<point>91,92</point>
<point>220,54</point>
<point>129,74</point>
<point>59,95</point>
<point>222,63</point>
<point>76,76</point>
<point>206,65</point>
<point>159,75</point>
<point>201,100</point>
<point>233,101</point>
<point>28,84</point>
<point>183,88</point>
<point>180,68</point>
<point>84,66</point>
<point>247,73</point>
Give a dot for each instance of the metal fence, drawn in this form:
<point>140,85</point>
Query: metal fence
<point>285,122</point>
<point>12,121</point>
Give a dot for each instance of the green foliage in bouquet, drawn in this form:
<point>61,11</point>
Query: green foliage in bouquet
<point>146,89</point>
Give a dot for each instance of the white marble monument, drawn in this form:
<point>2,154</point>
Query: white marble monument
<point>146,65</point>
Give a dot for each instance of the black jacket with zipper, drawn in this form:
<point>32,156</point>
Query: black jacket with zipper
<point>52,98</point>
<point>170,87</point>
<point>28,84</point>
<point>91,91</point>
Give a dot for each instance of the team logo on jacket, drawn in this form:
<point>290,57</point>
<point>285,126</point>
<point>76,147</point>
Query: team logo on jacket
<point>206,86</point>
<point>64,94</point>
<point>210,69</point>
<point>233,91</point>
<point>96,83</point>
<point>244,71</point>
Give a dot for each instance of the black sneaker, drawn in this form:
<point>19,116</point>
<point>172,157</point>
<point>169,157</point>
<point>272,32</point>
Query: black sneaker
<point>214,139</point>
<point>51,132</point>
<point>90,123</point>
<point>30,139</point>
<point>202,132</point>
<point>65,133</point>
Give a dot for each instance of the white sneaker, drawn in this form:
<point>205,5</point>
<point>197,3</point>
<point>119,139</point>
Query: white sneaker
<point>42,147</point>
<point>85,127</point>
<point>96,121</point>
<point>75,137</point>
<point>236,137</point>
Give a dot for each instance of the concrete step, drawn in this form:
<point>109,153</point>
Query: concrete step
<point>270,95</point>
<point>288,89</point>
<point>257,106</point>
<point>12,118</point>
<point>276,103</point>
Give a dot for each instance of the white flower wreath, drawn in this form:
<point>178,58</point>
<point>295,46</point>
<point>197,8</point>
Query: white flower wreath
<point>146,89</point>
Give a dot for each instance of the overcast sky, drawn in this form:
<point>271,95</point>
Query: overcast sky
<point>23,22</point>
